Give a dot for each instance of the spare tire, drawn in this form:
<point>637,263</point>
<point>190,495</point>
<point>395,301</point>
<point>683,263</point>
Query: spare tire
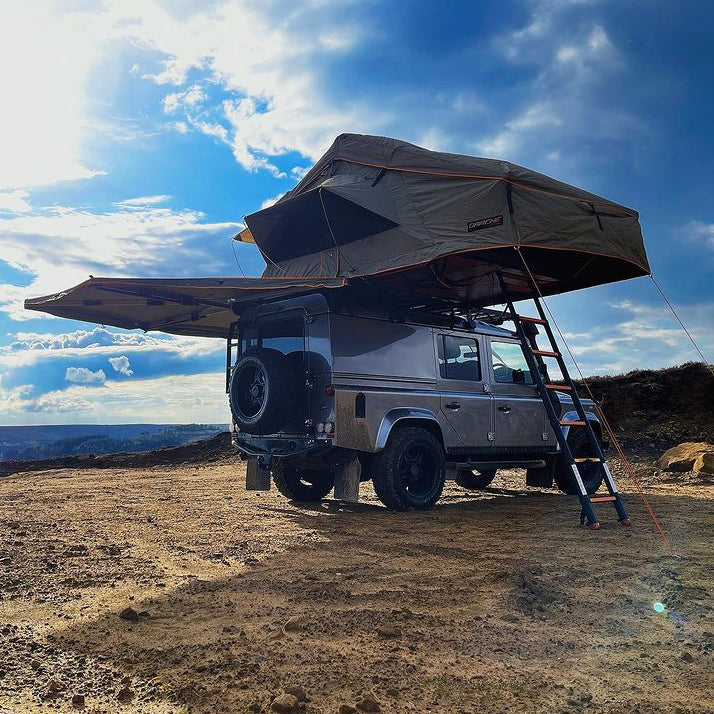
<point>262,391</point>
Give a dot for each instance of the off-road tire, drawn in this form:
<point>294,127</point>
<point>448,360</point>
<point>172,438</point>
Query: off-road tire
<point>391,464</point>
<point>591,473</point>
<point>303,484</point>
<point>475,481</point>
<point>277,395</point>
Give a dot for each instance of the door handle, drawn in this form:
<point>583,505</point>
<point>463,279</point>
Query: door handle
<point>505,408</point>
<point>453,405</point>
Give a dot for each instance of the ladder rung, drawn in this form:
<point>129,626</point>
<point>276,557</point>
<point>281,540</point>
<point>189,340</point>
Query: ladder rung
<point>589,458</point>
<point>564,387</point>
<point>537,320</point>
<point>602,499</point>
<point>572,423</point>
<point>546,353</point>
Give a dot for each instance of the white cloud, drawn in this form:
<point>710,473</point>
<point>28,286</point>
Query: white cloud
<point>46,56</point>
<point>144,200</point>
<point>700,232</point>
<point>121,365</point>
<point>180,399</point>
<point>191,97</point>
<point>14,201</point>
<point>34,350</point>
<point>568,63</point>
<point>82,375</point>
<point>647,336</point>
<point>60,246</point>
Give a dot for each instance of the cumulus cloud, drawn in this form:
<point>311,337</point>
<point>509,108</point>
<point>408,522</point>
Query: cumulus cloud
<point>60,246</point>
<point>14,201</point>
<point>32,348</point>
<point>121,365</point>
<point>82,375</point>
<point>184,398</point>
<point>645,336</point>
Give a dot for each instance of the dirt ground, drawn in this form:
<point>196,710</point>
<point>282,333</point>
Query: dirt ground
<point>497,602</point>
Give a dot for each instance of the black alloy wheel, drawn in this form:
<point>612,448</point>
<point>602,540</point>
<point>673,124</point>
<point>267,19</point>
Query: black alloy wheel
<point>410,471</point>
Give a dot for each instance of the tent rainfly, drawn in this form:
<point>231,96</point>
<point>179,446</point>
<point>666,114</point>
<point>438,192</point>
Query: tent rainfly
<point>376,212</point>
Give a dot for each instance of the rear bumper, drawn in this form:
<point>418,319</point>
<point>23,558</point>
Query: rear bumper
<point>274,446</point>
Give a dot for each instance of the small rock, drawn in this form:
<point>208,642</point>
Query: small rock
<point>687,657</point>
<point>392,692</point>
<point>145,613</point>
<point>389,631</point>
<point>682,457</point>
<point>78,700</point>
<point>254,707</point>
<point>368,704</point>
<point>54,687</point>
<point>5,561</point>
<point>284,704</point>
<point>346,709</point>
<point>125,694</point>
<point>296,691</point>
<point>129,613</point>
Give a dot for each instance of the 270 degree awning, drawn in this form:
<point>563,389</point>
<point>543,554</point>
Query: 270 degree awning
<point>203,307</point>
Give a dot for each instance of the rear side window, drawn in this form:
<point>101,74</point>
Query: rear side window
<point>286,336</point>
<point>459,358</point>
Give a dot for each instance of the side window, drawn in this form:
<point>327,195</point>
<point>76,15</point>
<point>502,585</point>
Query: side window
<point>509,364</point>
<point>459,358</point>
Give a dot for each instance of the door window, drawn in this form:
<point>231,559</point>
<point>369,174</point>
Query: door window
<point>509,363</point>
<point>459,358</point>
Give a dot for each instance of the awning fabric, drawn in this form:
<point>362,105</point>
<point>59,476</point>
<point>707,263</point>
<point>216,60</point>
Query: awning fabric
<point>202,307</point>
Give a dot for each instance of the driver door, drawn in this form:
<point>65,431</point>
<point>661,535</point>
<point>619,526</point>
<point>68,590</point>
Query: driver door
<point>520,417</point>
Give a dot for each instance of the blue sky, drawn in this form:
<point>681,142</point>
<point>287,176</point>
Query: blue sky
<point>135,135</point>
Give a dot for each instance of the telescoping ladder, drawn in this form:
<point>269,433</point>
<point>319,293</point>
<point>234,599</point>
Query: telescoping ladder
<point>534,358</point>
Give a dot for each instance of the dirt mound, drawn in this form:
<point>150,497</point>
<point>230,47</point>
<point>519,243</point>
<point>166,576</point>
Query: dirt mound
<point>211,450</point>
<point>654,410</point>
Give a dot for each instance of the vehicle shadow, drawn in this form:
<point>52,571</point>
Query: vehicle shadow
<point>312,615</point>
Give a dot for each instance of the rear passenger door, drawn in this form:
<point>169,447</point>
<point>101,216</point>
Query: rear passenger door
<point>465,403</point>
<point>520,418</point>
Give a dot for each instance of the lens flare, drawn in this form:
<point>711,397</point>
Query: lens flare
<point>658,607</point>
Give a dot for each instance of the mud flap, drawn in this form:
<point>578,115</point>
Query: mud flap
<point>347,479</point>
<point>256,477</point>
<point>542,477</point>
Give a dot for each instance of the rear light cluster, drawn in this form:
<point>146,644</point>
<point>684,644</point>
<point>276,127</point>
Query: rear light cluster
<point>326,427</point>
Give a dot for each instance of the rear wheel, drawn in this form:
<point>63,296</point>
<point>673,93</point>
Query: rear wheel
<point>303,484</point>
<point>409,472</point>
<point>590,471</point>
<point>475,480</point>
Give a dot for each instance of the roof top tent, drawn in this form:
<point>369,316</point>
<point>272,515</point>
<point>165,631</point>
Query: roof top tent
<point>436,231</point>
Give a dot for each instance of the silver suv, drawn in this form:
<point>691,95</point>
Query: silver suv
<point>324,395</point>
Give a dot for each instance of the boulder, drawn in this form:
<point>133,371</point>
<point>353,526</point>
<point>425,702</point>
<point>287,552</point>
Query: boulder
<point>682,457</point>
<point>704,463</point>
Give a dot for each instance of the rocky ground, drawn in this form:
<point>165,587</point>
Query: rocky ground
<point>244,602</point>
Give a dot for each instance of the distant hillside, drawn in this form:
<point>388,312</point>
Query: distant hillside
<point>31,443</point>
<point>652,410</point>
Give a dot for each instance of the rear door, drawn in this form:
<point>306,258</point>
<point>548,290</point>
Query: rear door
<point>520,418</point>
<point>465,403</point>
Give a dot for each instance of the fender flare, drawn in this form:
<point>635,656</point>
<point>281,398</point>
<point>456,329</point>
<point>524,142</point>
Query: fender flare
<point>572,415</point>
<point>393,416</point>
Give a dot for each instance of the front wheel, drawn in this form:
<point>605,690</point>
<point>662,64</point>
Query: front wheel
<point>303,484</point>
<point>590,471</point>
<point>409,472</point>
